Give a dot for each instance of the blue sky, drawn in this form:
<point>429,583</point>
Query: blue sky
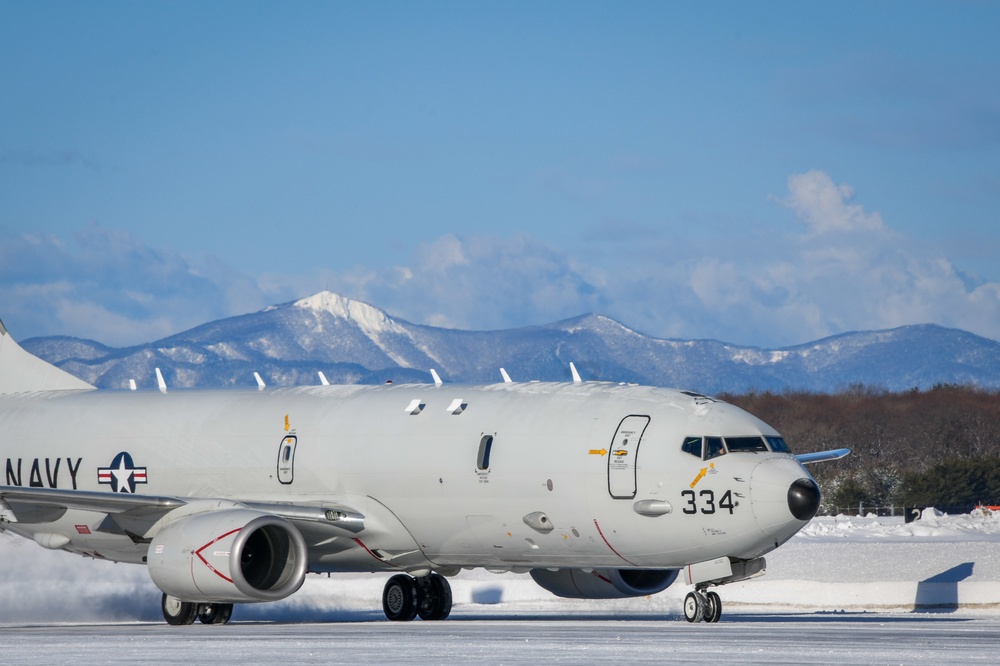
<point>761,173</point>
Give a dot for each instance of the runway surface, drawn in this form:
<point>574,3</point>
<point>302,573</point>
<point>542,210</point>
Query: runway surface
<point>841,638</point>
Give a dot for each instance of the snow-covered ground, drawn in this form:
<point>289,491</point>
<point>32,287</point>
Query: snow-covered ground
<point>938,563</point>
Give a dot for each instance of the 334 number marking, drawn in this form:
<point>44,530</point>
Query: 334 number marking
<point>704,501</point>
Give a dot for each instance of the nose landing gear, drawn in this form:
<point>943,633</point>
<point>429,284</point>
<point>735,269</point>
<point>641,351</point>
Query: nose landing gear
<point>701,606</point>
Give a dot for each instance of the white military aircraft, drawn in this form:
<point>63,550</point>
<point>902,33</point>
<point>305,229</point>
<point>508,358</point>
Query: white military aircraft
<point>598,490</point>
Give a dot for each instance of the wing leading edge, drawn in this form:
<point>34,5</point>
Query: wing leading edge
<point>137,514</point>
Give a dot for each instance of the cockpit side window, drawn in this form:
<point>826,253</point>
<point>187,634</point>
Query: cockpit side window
<point>692,445</point>
<point>713,447</point>
<point>778,445</point>
<point>745,444</point>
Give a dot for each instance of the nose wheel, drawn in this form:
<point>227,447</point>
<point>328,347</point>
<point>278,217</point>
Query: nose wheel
<point>701,606</point>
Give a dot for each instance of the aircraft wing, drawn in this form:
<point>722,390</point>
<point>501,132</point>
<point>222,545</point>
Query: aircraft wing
<point>136,514</point>
<point>821,456</point>
<point>86,500</point>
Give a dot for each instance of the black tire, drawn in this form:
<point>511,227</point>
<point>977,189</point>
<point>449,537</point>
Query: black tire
<point>435,597</point>
<point>399,598</point>
<point>215,613</point>
<point>177,612</point>
<point>713,609</point>
<point>694,607</point>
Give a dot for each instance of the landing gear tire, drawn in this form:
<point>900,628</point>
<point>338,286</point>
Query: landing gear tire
<point>215,613</point>
<point>177,612</point>
<point>406,597</point>
<point>399,598</point>
<point>434,597</point>
<point>713,609</point>
<point>694,607</point>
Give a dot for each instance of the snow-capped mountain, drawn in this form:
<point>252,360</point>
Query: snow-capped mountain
<point>353,342</point>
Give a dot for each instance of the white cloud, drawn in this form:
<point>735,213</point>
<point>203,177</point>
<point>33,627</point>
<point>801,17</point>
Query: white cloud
<point>480,282</point>
<point>822,205</point>
<point>849,271</point>
<point>865,276</point>
<point>112,287</point>
<point>442,255</point>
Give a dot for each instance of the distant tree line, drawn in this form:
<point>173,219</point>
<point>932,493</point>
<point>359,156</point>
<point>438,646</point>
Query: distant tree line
<point>939,447</point>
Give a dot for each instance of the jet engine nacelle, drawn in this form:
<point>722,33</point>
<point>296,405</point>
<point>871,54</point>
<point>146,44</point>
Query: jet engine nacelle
<point>604,583</point>
<point>230,555</point>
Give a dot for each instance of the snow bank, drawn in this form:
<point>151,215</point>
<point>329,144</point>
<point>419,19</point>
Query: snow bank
<point>981,525</point>
<point>938,562</point>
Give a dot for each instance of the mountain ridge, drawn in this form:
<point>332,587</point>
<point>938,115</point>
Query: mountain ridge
<point>355,342</point>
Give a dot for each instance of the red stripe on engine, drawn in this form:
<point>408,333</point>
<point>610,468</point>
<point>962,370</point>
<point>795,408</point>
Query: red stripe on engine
<point>210,543</point>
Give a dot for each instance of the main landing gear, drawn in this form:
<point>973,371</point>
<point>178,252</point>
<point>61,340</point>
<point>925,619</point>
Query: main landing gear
<point>177,612</point>
<point>406,597</point>
<point>701,606</point>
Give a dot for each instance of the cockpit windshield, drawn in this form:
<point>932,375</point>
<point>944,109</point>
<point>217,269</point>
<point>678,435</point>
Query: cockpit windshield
<point>745,444</point>
<point>707,448</point>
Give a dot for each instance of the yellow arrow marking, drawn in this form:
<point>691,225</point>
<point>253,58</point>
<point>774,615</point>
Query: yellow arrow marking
<point>701,475</point>
<point>286,422</point>
<point>598,452</point>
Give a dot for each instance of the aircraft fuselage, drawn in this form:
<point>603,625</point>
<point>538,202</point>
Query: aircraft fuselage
<point>505,476</point>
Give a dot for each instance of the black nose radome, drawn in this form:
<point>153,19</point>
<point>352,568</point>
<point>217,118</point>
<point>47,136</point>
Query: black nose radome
<point>803,499</point>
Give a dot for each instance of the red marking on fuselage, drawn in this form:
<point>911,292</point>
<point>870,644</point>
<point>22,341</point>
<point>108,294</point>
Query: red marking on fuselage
<point>214,541</point>
<point>367,550</point>
<point>610,546</point>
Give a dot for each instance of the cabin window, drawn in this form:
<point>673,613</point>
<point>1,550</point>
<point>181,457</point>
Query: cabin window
<point>485,446</point>
<point>692,445</point>
<point>713,447</point>
<point>739,444</point>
